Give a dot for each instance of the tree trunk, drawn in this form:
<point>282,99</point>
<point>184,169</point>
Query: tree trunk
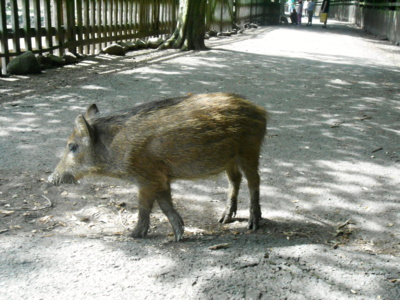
<point>191,28</point>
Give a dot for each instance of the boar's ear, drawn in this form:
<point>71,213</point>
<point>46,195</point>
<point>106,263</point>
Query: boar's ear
<point>84,128</point>
<point>91,111</point>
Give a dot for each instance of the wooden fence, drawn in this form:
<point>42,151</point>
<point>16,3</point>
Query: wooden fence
<point>221,13</point>
<point>259,11</point>
<point>377,17</point>
<point>87,26</point>
<point>84,26</point>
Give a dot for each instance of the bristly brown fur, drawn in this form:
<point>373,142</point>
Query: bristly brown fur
<point>179,138</point>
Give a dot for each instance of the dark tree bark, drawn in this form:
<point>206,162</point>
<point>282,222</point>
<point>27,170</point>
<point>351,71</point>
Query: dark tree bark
<point>191,28</point>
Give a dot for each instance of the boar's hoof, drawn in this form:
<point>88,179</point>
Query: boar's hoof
<point>58,179</point>
<point>227,217</point>
<point>253,223</point>
<point>178,231</point>
<point>51,178</point>
<point>139,232</point>
<point>177,225</point>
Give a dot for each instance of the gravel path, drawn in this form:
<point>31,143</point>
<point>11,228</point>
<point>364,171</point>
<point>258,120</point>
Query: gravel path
<point>330,177</point>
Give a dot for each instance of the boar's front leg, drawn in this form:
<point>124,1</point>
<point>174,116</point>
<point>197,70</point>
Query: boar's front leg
<point>147,195</point>
<point>165,202</point>
<point>146,200</point>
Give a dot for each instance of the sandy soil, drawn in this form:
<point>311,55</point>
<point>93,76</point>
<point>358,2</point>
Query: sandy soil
<point>329,167</point>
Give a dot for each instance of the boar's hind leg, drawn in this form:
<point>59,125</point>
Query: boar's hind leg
<point>250,169</point>
<point>165,202</point>
<point>146,201</point>
<point>235,178</point>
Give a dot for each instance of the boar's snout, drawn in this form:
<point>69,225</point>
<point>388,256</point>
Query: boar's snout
<point>58,179</point>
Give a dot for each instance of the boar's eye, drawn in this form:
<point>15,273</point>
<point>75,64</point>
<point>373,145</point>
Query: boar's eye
<point>72,147</point>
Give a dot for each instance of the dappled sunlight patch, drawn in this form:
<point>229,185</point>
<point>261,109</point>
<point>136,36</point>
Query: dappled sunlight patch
<point>286,215</point>
<point>54,121</point>
<point>340,82</point>
<point>395,131</point>
<point>311,191</point>
<point>93,87</point>
<point>353,177</point>
<point>107,57</point>
<point>193,196</point>
<point>88,62</point>
<point>359,168</point>
<point>4,91</point>
<point>204,60</point>
<point>26,147</point>
<point>9,79</point>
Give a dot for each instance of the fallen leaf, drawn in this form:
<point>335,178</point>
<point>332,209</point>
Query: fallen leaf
<point>345,224</point>
<point>219,246</point>
<point>45,219</point>
<point>249,265</point>
<point>364,117</point>
<point>376,150</point>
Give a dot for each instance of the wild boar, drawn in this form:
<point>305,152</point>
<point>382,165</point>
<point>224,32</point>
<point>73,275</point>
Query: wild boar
<point>158,142</point>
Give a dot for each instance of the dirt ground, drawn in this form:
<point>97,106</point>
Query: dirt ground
<point>330,176</point>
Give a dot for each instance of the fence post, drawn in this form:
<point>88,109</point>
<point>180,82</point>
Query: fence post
<point>70,24</point>
<point>100,20</point>
<point>27,25</point>
<point>58,22</point>
<point>105,22</point>
<point>86,24</point>
<point>38,37</point>
<point>174,8</point>
<point>47,24</point>
<point>3,37</point>
<point>130,17</point>
<point>79,23</point>
<point>15,26</point>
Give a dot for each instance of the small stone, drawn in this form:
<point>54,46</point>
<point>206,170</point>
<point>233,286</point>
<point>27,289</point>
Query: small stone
<point>56,61</point>
<point>70,58</point>
<point>45,62</point>
<point>115,49</point>
<point>24,64</point>
<point>141,44</point>
<point>128,46</point>
<point>155,42</point>
<point>212,33</point>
